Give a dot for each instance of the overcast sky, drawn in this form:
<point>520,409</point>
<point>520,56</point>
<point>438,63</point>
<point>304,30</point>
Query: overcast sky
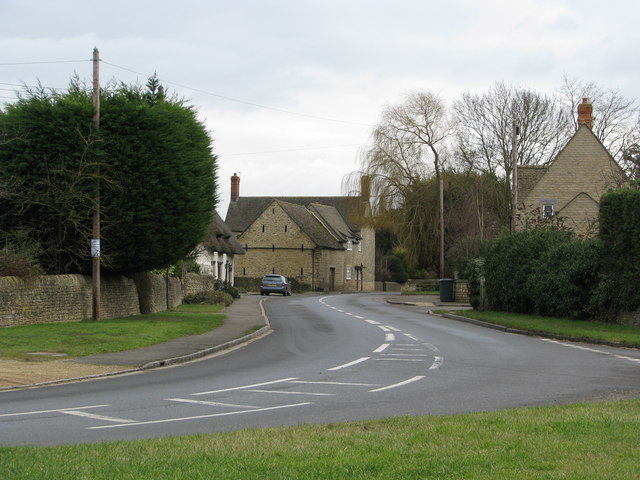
<point>290,89</point>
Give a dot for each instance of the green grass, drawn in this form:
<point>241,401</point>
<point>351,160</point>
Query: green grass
<point>569,442</point>
<point>78,339</point>
<point>577,329</point>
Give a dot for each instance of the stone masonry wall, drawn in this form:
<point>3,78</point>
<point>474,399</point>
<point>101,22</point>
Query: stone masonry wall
<point>69,298</point>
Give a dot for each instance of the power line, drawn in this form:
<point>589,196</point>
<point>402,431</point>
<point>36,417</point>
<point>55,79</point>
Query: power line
<point>237,100</point>
<point>42,63</point>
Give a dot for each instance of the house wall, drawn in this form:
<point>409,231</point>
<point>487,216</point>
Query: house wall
<point>583,170</point>
<point>275,244</point>
<point>221,266</point>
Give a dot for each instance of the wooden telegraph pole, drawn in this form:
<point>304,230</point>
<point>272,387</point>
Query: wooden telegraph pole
<point>514,177</point>
<point>95,238</point>
<point>441,229</point>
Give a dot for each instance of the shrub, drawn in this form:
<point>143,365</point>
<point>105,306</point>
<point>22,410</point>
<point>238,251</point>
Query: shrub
<point>18,265</point>
<point>474,273</point>
<point>209,297</point>
<point>398,269</point>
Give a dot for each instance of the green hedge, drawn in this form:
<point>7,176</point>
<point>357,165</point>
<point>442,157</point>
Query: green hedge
<point>544,271</point>
<point>620,234</point>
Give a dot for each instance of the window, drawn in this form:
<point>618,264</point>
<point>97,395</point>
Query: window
<point>547,211</point>
<point>360,246</point>
<point>349,245</point>
<point>348,273</point>
<point>285,228</point>
<point>264,227</point>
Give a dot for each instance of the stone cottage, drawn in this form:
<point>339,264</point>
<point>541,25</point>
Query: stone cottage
<point>323,242</point>
<point>570,187</point>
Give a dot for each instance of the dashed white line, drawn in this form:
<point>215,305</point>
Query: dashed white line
<point>408,335</point>
<point>383,328</point>
<point>372,322</point>
<point>244,387</point>
<point>396,385</point>
<point>360,360</point>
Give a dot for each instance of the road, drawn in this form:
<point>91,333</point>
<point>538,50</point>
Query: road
<point>330,358</point>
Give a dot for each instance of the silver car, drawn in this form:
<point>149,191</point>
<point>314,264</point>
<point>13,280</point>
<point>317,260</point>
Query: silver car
<point>272,283</point>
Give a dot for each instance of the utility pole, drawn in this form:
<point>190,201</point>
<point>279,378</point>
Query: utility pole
<point>514,176</point>
<point>441,229</point>
<point>95,237</point>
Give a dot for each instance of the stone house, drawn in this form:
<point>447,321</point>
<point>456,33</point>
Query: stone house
<point>216,254</point>
<point>323,242</point>
<point>570,187</point>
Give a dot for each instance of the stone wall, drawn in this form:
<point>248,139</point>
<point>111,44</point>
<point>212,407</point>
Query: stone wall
<point>64,298</point>
<point>69,298</point>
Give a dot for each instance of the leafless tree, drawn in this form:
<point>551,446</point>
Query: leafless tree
<point>614,116</point>
<point>485,129</point>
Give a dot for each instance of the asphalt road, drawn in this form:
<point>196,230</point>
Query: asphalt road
<point>330,358</point>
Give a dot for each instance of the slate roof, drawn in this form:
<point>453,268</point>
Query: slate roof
<point>221,239</point>
<point>245,210</point>
<point>328,221</point>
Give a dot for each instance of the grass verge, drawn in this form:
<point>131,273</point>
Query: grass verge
<point>78,339</point>
<point>578,329</point>
<point>571,442</point>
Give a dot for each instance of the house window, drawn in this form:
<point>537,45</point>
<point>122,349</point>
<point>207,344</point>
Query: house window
<point>301,271</point>
<point>348,273</point>
<point>349,245</point>
<point>285,228</point>
<point>244,270</point>
<point>360,246</point>
<point>547,211</point>
<point>263,228</point>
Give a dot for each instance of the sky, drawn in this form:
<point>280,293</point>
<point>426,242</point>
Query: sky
<point>290,90</point>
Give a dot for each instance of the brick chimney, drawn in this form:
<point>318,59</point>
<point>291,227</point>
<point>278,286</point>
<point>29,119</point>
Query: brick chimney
<point>365,187</point>
<point>585,110</point>
<point>235,187</point>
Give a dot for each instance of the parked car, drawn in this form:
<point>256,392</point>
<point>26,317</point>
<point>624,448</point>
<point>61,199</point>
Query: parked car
<point>272,283</point>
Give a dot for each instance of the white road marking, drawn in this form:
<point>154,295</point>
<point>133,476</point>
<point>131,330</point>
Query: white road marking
<point>594,350</point>
<point>359,317</point>
<point>393,329</point>
<point>348,384</point>
<point>339,367</point>
<point>400,384</point>
<point>372,322</point>
<point>399,360</point>
<point>408,335</point>
<point>283,392</point>
<point>55,410</point>
<point>437,362</point>
<point>407,349</point>
<point>383,328</point>
<point>104,418</point>
<point>381,348</point>
<point>406,354</point>
<point>213,404</point>
<point>197,417</point>
<point>389,337</point>
<point>244,387</point>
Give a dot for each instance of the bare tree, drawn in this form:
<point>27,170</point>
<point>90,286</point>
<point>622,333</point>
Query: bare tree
<point>614,116</point>
<point>485,125</point>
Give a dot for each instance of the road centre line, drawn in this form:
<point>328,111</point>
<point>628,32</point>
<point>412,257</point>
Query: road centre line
<point>408,335</point>
<point>372,322</point>
<point>393,329</point>
<point>54,410</point>
<point>359,317</point>
<point>406,354</point>
<point>400,384</point>
<point>79,413</point>
<point>400,360</point>
<point>197,417</point>
<point>383,328</point>
<point>339,367</point>
<point>244,387</point>
<point>204,402</point>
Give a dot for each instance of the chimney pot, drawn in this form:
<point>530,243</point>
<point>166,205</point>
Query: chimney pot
<point>585,113</point>
<point>235,187</point>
